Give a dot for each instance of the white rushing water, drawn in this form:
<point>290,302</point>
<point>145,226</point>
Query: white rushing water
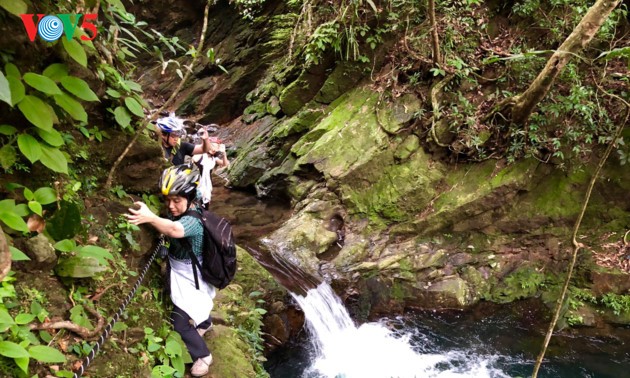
<point>343,350</point>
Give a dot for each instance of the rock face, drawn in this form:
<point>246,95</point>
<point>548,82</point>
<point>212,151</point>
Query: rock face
<point>375,208</point>
<point>439,236</point>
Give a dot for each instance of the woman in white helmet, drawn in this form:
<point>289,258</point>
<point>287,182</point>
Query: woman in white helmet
<point>192,298</point>
<point>171,129</point>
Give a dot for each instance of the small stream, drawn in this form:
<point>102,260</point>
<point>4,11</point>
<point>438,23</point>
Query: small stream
<point>487,341</point>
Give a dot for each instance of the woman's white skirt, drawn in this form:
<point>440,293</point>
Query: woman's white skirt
<point>196,303</point>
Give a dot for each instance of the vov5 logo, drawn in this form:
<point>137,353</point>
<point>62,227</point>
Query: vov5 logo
<point>51,27</point>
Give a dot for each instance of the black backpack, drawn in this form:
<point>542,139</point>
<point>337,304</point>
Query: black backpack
<point>219,250</point>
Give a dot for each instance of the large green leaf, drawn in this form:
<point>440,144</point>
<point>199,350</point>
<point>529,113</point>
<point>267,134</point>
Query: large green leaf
<point>14,221</point>
<point>51,137</point>
<point>75,50</point>
<point>100,254</point>
<point>37,112</point>
<point>56,71</point>
<point>17,255</point>
<point>12,70</point>
<point>16,7</point>
<point>122,116</point>
<point>72,106</point>
<point>53,159</point>
<point>5,90</point>
<point>7,130</point>
<point>8,156</point>
<point>134,106</point>
<point>45,195</point>
<point>7,205</point>
<point>24,318</point>
<point>65,245</point>
<point>29,147</point>
<point>41,83</point>
<point>5,318</point>
<point>78,267</point>
<point>35,207</point>
<point>79,88</point>
<point>17,89</point>
<point>12,350</point>
<point>43,353</point>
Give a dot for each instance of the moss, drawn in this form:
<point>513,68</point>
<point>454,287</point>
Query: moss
<point>557,196</point>
<point>299,123</point>
<point>344,77</point>
<point>524,282</point>
<point>230,354</point>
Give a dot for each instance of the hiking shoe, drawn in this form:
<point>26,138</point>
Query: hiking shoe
<point>200,367</point>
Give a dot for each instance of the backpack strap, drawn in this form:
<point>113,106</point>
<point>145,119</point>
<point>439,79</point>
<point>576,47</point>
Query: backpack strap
<point>195,262</point>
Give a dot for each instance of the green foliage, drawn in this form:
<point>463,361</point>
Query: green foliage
<point>250,328</point>
<point>617,303</point>
<point>11,213</point>
<point>18,344</point>
<point>164,350</point>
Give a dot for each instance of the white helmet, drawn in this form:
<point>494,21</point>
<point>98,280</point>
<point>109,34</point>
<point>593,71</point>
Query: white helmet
<point>171,124</point>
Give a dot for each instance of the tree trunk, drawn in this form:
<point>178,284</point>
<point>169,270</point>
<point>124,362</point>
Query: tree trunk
<point>5,256</point>
<point>435,41</point>
<point>524,104</point>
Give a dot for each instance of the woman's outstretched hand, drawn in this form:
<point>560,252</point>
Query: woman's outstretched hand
<point>140,214</point>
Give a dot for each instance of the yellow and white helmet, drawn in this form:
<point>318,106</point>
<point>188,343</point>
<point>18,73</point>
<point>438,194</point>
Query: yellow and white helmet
<point>180,180</point>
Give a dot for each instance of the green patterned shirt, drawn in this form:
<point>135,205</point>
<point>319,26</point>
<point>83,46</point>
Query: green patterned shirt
<point>193,235</point>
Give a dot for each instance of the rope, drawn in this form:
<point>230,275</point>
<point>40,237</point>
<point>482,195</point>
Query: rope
<point>86,362</point>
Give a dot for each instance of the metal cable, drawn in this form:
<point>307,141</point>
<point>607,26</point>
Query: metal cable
<point>108,328</point>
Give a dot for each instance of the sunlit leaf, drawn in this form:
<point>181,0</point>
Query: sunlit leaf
<point>37,112</point>
<point>5,89</point>
<point>53,159</point>
<point>17,255</point>
<point>14,221</point>
<point>75,50</point>
<point>24,318</point>
<point>65,245</point>
<point>43,353</point>
<point>134,106</point>
<point>79,88</point>
<point>51,137</point>
<point>101,254</point>
<point>22,210</point>
<point>15,7</point>
<point>122,116</point>
<point>56,71</point>
<point>12,350</point>
<point>113,93</point>
<point>71,106</point>
<point>17,89</point>
<point>45,195</point>
<point>29,147</point>
<point>35,207</point>
<point>7,130</point>
<point>41,83</point>
<point>22,363</point>
<point>5,318</point>
<point>12,70</point>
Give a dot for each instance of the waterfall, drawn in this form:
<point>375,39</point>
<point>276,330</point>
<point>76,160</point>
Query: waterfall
<point>343,350</point>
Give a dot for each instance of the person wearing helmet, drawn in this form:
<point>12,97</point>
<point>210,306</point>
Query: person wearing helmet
<point>171,129</point>
<point>192,301</point>
<point>216,158</point>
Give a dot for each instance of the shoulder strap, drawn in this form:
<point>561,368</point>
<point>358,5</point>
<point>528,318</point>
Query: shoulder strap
<point>193,258</point>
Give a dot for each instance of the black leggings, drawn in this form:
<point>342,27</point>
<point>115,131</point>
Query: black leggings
<point>183,324</point>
